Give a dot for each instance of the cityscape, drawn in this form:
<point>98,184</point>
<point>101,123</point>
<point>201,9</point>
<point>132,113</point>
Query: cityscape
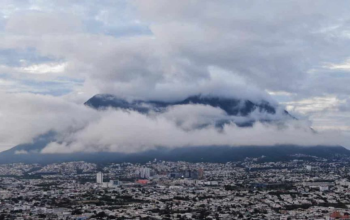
<point>249,189</point>
<point>174,109</point>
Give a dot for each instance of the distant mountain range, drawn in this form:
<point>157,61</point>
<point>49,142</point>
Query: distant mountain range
<point>30,152</point>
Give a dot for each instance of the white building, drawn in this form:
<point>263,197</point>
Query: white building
<point>308,167</point>
<point>99,178</point>
<point>324,188</point>
<point>143,172</point>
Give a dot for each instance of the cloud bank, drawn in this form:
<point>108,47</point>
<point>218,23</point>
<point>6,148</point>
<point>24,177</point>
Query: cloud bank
<point>82,129</point>
<point>132,132</point>
<point>54,55</point>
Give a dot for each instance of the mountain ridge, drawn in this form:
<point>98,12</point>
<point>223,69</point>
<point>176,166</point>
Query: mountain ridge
<point>30,152</point>
<point>233,107</point>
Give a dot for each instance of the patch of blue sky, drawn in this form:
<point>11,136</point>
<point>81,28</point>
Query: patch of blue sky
<point>280,98</point>
<point>4,76</point>
<point>341,74</point>
<point>69,79</point>
<point>16,57</point>
<point>57,87</point>
<point>113,18</point>
<point>115,23</point>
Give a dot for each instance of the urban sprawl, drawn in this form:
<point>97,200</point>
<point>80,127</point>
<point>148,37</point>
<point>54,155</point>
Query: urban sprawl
<point>304,188</point>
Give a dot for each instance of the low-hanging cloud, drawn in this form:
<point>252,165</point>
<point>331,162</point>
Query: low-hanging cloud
<point>26,116</point>
<point>129,131</point>
<point>119,131</point>
<point>82,129</point>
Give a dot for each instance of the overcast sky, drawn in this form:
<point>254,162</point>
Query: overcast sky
<point>56,54</point>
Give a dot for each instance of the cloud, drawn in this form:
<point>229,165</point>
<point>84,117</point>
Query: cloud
<point>120,131</point>
<point>248,40</point>
<point>25,116</point>
<point>82,129</point>
<point>295,50</point>
<point>44,68</point>
<point>271,45</point>
<point>41,23</point>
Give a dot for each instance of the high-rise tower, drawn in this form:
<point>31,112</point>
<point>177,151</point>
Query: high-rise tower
<point>99,178</point>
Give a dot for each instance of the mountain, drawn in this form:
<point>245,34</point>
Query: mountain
<point>232,107</point>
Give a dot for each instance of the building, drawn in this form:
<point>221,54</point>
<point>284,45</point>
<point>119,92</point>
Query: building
<point>99,178</point>
<point>143,173</point>
<point>143,181</point>
<point>200,173</point>
<point>336,215</point>
<point>324,188</point>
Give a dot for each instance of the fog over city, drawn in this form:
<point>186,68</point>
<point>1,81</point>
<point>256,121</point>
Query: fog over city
<point>55,55</point>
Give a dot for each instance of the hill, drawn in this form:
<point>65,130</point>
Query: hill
<point>218,154</point>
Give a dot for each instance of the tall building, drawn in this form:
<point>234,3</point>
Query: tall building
<point>99,178</point>
<point>309,168</point>
<point>143,173</point>
<point>200,173</point>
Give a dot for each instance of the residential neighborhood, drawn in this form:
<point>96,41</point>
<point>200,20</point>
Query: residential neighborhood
<point>249,189</point>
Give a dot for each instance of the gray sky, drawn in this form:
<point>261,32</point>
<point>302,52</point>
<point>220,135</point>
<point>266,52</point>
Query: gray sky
<point>56,54</point>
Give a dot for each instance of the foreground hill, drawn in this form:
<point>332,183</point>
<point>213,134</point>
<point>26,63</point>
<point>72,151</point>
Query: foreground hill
<point>219,154</point>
